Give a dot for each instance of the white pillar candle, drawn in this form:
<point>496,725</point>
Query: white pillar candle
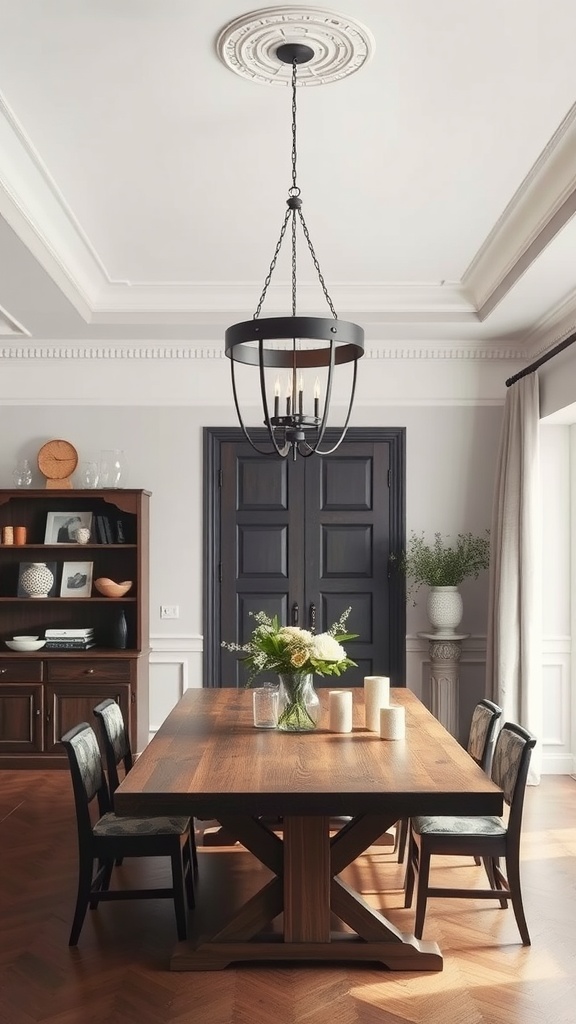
<point>376,696</point>
<point>393,722</point>
<point>340,708</point>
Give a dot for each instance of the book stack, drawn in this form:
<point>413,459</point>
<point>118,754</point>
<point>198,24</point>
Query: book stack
<point>69,639</point>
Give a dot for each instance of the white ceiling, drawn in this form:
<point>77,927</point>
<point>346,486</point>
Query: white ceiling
<point>143,185</point>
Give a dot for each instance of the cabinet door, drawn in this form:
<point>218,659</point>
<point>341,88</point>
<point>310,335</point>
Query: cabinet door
<point>68,704</point>
<point>21,718</point>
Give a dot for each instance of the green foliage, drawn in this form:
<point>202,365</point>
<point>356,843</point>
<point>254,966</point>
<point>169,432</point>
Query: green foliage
<point>289,649</point>
<point>443,564</point>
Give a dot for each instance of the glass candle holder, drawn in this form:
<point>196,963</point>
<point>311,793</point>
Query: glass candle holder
<point>265,706</point>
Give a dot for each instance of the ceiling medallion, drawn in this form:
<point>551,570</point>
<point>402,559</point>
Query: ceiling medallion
<point>341,45</point>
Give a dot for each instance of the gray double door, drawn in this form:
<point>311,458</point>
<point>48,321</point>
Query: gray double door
<point>305,540</point>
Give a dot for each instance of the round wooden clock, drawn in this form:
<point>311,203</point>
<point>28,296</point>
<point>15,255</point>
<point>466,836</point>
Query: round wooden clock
<point>57,460</point>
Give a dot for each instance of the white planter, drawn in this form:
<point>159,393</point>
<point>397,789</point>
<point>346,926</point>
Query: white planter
<point>444,607</point>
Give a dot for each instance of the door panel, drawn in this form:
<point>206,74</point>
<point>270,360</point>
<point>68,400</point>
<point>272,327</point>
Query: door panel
<point>261,547</point>
<point>262,551</point>
<point>304,541</point>
<point>348,549</point>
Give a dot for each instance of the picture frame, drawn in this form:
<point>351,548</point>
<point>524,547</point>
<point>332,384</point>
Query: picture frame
<point>61,526</point>
<point>34,582</point>
<point>76,579</point>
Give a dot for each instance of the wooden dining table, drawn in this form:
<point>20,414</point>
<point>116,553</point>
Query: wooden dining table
<point>207,760</point>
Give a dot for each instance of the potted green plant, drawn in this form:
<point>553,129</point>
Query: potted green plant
<point>442,565</point>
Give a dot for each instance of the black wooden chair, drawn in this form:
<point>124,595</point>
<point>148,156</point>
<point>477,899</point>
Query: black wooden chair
<point>487,837</point>
<point>116,746</point>
<point>480,746</point>
<point>111,838</point>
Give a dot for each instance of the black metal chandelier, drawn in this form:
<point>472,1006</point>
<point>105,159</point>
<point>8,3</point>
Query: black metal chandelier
<point>283,343</point>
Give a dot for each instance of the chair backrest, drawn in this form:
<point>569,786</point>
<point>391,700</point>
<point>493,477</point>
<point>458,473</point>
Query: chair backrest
<point>510,764</point>
<point>88,780</point>
<point>482,732</point>
<point>114,740</point>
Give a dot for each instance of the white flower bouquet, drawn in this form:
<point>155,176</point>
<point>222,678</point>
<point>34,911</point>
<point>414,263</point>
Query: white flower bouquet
<point>289,649</point>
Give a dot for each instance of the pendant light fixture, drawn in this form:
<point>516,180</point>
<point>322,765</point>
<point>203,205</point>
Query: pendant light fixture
<point>290,347</point>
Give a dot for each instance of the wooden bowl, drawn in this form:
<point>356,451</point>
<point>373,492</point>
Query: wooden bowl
<point>111,589</point>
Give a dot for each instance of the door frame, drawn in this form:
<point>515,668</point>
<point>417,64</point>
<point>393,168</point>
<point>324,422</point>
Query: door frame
<point>214,438</point>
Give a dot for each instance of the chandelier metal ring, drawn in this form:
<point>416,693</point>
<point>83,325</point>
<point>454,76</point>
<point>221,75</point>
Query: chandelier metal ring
<point>348,338</point>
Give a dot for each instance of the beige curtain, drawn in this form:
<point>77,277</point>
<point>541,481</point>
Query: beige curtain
<point>513,658</point>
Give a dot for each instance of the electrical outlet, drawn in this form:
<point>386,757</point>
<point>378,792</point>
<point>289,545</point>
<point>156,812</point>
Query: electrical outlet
<point>169,611</point>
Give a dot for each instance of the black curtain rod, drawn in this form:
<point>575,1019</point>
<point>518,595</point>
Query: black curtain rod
<point>543,359</point>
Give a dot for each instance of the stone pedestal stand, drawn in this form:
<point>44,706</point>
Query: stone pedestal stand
<point>445,650</point>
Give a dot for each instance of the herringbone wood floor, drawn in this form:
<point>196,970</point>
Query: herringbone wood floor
<point>118,974</point>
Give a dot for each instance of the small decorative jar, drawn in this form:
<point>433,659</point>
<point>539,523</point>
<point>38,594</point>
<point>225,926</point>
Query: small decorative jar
<point>37,580</point>
<point>82,535</point>
<point>113,469</point>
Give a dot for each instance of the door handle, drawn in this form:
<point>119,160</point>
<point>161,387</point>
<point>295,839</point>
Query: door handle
<point>295,614</point>
<point>312,618</point>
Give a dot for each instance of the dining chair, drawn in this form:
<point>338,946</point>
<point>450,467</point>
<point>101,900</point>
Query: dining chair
<point>112,837</point>
<point>116,745</point>
<point>480,746</point>
<point>488,837</point>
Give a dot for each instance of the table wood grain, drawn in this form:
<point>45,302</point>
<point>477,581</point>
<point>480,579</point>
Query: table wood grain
<point>208,760</point>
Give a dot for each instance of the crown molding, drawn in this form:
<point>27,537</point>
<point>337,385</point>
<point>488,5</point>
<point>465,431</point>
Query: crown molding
<point>378,302</point>
<point>10,328</point>
<point>36,210</point>
<point>33,206</point>
<point>171,352</point>
<point>552,329</point>
<point>540,208</point>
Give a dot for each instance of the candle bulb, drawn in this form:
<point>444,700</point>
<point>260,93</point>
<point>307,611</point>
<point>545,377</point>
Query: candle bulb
<point>289,396</point>
<point>300,394</point>
<point>277,397</point>
<point>316,398</point>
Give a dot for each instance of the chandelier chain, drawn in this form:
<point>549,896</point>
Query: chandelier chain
<point>317,265</point>
<point>272,264</point>
<point>294,193</point>
<point>294,151</point>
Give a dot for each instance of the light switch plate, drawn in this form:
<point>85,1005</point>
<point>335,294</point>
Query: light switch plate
<point>169,611</point>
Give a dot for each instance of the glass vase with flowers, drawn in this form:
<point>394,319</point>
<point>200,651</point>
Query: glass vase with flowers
<point>295,655</point>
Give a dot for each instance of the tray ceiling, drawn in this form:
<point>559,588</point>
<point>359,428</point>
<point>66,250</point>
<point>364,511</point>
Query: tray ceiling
<point>143,184</point>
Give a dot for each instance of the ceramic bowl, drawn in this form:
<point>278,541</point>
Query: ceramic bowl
<point>111,589</point>
<point>35,637</point>
<point>25,645</point>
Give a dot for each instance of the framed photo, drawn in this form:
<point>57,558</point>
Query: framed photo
<point>61,527</point>
<point>76,579</point>
<point>37,579</point>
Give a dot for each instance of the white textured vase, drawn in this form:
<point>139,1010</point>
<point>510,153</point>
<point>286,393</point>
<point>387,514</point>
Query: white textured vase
<point>444,607</point>
<point>37,580</point>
